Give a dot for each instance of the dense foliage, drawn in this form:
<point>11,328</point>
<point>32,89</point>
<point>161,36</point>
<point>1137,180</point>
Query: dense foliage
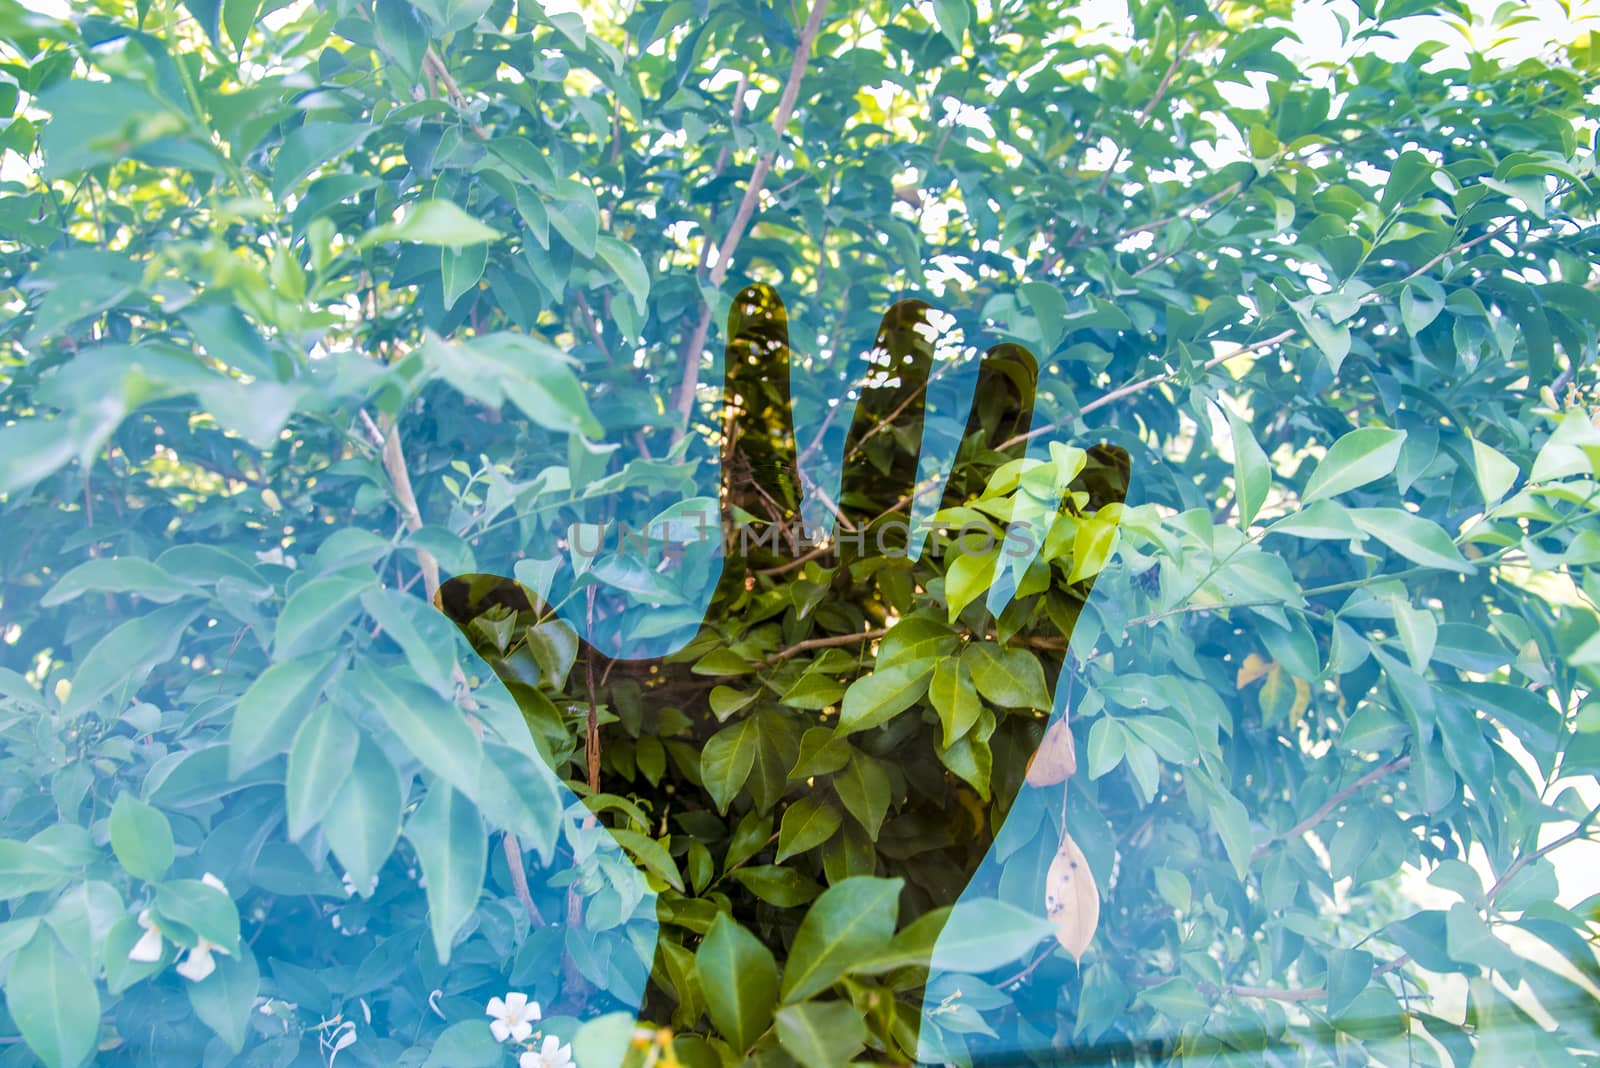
<point>310,306</point>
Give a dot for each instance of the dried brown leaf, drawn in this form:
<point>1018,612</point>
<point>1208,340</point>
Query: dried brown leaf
<point>1071,899</point>
<point>1057,758</point>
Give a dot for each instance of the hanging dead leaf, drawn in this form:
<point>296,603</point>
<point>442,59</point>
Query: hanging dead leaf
<point>1057,758</point>
<point>1071,900</point>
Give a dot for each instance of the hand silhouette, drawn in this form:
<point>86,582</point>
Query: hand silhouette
<point>848,708</point>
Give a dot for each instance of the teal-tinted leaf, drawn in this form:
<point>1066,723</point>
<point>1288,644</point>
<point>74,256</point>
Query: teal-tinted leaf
<point>225,999</point>
<point>312,145</point>
<point>316,612</point>
<point>448,835</point>
<point>467,1044</point>
<point>127,574</point>
<point>984,934</point>
<point>1348,973</point>
<point>140,837</point>
<point>434,730</point>
<point>1495,474</point>
<point>1107,744</point>
<point>202,909</point>
<point>953,17</point>
<point>320,758</point>
<point>363,823</point>
<point>460,270</point>
<point>127,655</point>
<point>52,997</point>
<point>451,16</point>
<point>517,792</point>
<point>273,708</point>
<point>25,869</point>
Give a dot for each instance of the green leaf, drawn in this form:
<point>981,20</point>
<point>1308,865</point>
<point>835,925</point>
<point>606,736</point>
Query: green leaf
<point>126,656</point>
<point>1420,305</point>
<point>1252,471</point>
<point>967,579</point>
<point>239,18</point>
<point>364,821</point>
<point>273,708</point>
<point>1332,339</point>
<point>1417,539</point>
<point>953,16</point>
<point>1359,457</point>
<point>652,855</point>
<point>1495,474</point>
<point>140,837</point>
<point>126,574</point>
<point>225,999</point>
<point>739,979</point>
<point>452,16</point>
<point>311,145</point>
<point>1107,744</point>
<point>877,698</point>
<point>863,786</point>
<point>954,696</point>
<point>807,823</point>
<point>1049,307</point>
<point>52,997</point>
<point>468,1044</point>
<point>460,270</point>
<point>202,908</point>
<point>984,934</point>
<point>316,612</point>
<point>434,730</point>
<point>447,833</point>
<point>603,1040</point>
<point>1007,676</point>
<point>519,793</point>
<point>1348,973</point>
<point>208,13</point>
<point>320,759</point>
<point>821,1034</point>
<point>433,222</point>
<point>726,760</point>
<point>850,921</point>
<point>26,869</point>
<point>630,270</point>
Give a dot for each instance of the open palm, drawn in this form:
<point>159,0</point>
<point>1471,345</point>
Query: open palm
<point>857,714</point>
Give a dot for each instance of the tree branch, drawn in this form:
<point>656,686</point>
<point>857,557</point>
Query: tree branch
<point>1333,803</point>
<point>683,399</point>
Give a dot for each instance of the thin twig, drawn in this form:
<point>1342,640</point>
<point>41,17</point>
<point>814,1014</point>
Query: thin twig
<point>683,400</point>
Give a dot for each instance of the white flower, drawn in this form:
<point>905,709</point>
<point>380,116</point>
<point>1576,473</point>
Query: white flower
<point>213,882</point>
<point>552,1054</point>
<point>350,888</point>
<point>197,963</point>
<point>148,949</point>
<point>513,1018</point>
